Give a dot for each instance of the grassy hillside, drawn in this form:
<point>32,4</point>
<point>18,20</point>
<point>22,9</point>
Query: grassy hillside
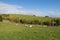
<point>11,31</point>
<point>25,16</point>
<point>30,18</point>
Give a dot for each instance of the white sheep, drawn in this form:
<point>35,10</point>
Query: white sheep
<point>16,24</point>
<point>44,26</point>
<point>26,25</point>
<point>30,26</point>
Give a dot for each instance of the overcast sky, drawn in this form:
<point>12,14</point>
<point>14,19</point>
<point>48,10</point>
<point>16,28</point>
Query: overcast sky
<point>31,7</point>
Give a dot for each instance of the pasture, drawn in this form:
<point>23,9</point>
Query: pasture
<point>11,31</point>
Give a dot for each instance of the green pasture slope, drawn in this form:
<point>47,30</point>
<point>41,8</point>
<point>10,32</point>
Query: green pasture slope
<point>11,31</point>
<point>30,18</point>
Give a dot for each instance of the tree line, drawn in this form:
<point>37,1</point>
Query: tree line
<point>45,21</point>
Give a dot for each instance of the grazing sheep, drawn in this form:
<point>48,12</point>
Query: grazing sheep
<point>44,26</point>
<point>26,25</point>
<point>16,24</point>
<point>30,26</point>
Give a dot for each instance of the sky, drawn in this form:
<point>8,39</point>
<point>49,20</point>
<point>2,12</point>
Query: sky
<point>31,7</point>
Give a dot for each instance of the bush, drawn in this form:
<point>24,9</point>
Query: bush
<point>1,18</point>
<point>58,21</point>
<point>46,23</point>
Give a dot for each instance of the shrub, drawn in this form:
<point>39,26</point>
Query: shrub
<point>1,18</point>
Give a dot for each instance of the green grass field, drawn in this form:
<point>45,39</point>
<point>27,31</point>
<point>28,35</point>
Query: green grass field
<point>11,31</point>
